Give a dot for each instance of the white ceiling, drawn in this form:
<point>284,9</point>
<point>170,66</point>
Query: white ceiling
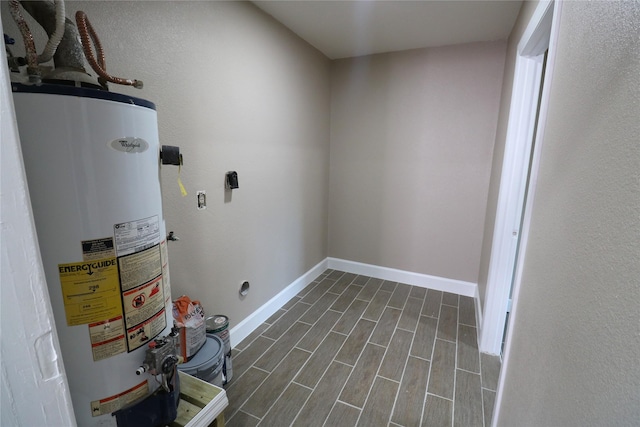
<point>340,28</point>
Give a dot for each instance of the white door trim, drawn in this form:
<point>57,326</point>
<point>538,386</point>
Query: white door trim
<point>551,16</point>
<point>520,131</point>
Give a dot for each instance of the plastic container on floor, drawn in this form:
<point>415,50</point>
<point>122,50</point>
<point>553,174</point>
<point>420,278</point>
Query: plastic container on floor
<point>208,362</point>
<point>219,325</point>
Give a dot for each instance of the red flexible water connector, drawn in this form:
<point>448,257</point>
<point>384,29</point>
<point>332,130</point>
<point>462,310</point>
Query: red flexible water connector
<point>88,35</point>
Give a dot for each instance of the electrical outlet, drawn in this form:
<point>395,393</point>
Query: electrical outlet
<point>202,199</point>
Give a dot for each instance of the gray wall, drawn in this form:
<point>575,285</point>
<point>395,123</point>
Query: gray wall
<point>575,344</point>
<point>524,16</point>
<point>236,91</point>
<point>412,136</point>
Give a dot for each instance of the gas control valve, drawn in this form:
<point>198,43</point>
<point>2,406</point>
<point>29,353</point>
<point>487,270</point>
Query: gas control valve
<point>162,356</point>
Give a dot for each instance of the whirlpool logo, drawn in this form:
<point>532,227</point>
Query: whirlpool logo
<point>129,145</point>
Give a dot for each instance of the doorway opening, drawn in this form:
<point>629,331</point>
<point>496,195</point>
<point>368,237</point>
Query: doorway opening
<point>526,120</point>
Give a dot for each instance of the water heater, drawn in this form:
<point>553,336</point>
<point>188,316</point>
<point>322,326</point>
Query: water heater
<point>92,161</point>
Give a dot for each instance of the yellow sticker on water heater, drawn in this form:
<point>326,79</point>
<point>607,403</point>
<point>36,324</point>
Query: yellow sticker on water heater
<point>90,291</point>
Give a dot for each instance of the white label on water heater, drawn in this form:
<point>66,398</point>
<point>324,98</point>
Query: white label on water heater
<point>143,333</point>
<point>113,403</point>
<point>142,303</point>
<point>107,338</point>
<point>142,295</point>
<point>165,270</point>
<point>139,268</point>
<point>138,235</point>
<point>129,144</point>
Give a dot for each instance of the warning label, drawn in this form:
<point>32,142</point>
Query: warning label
<point>113,403</point>
<point>165,270</point>
<point>90,291</point>
<point>143,302</point>
<point>135,236</point>
<point>140,334</point>
<point>140,267</point>
<point>107,338</point>
<point>98,249</point>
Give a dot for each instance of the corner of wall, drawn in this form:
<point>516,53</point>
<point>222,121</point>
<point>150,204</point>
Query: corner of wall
<point>30,396</point>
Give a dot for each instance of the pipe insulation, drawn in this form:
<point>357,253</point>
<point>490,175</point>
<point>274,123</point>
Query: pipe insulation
<point>58,33</point>
<point>69,54</point>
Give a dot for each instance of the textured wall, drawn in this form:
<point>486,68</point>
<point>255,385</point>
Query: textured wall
<point>574,352</point>
<point>236,91</point>
<point>411,143</point>
<point>526,12</point>
<point>33,386</point>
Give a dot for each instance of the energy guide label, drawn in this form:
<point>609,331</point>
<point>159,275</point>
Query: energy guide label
<point>90,291</point>
<point>136,235</point>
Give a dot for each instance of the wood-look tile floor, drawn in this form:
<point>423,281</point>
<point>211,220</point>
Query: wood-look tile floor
<point>353,350</point>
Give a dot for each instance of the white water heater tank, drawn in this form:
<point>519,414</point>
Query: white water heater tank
<point>92,165</point>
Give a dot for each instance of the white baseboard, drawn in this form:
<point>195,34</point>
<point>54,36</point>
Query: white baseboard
<point>416,279</point>
<point>255,319</point>
<point>478,314</point>
<point>249,324</point>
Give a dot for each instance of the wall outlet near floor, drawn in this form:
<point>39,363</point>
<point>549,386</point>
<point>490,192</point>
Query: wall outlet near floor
<point>244,288</point>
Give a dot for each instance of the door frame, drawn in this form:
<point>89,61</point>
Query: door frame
<point>531,42</point>
<point>540,34</point>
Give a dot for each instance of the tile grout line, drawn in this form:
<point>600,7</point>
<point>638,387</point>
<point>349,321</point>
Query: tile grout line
<point>278,364</point>
<point>433,350</point>
<point>358,359</point>
<point>404,369</point>
<point>387,349</point>
<point>388,346</point>
<point>282,359</point>
<point>305,401</point>
<point>359,356</point>
<point>346,364</point>
<point>435,336</point>
<point>265,379</point>
<point>249,397</point>
<point>441,397</point>
<point>329,331</point>
<point>455,371</point>
<point>481,391</point>
<point>295,347</point>
<point>469,372</point>
<point>252,365</point>
<point>426,386</point>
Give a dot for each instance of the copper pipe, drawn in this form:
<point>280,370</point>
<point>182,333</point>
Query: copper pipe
<point>29,45</point>
<point>87,36</point>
